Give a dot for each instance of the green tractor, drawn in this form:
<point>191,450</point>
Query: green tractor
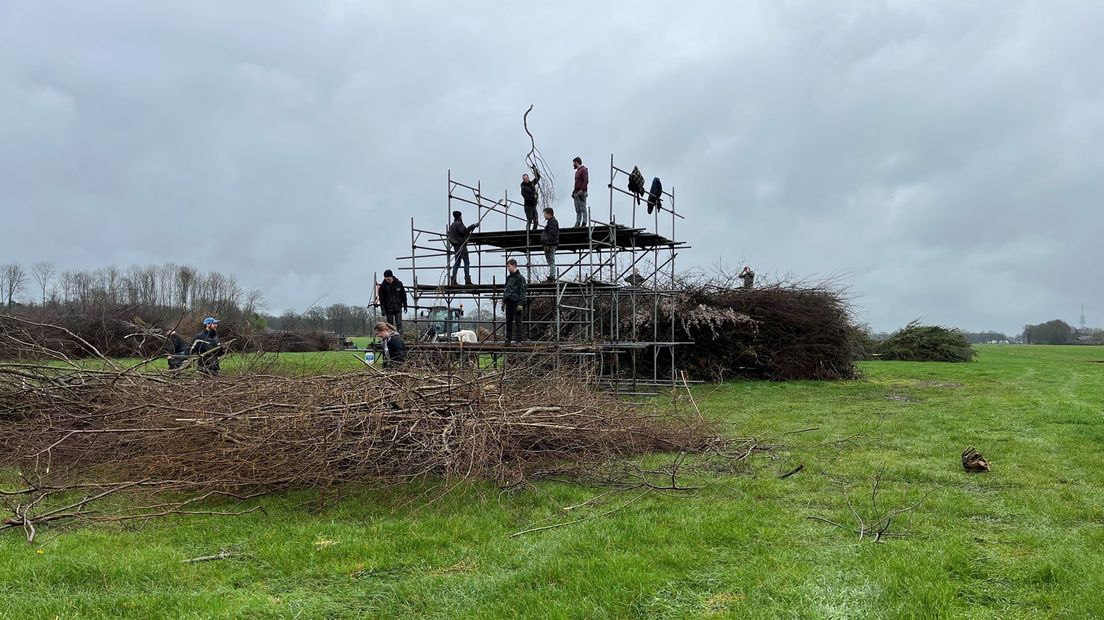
<point>444,321</point>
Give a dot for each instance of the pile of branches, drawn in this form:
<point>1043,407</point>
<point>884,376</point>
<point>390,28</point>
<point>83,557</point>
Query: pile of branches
<point>781,331</point>
<point>285,341</point>
<point>778,332</point>
<point>71,437</point>
<point>927,343</point>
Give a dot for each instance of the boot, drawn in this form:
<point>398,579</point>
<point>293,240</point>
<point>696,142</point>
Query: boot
<point>452,281</point>
<point>467,281</point>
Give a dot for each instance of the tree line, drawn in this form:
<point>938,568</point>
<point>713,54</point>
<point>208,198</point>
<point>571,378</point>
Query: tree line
<point>1060,332</point>
<point>125,312</point>
<point>342,319</point>
<point>108,305</point>
<point>167,286</point>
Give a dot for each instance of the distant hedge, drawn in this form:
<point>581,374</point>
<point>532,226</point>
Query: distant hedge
<point>927,343</point>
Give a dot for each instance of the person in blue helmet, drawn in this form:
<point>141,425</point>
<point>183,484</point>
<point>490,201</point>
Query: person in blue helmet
<point>206,345</point>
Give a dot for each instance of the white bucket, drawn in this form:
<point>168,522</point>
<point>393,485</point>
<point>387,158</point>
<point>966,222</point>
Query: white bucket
<point>369,357</point>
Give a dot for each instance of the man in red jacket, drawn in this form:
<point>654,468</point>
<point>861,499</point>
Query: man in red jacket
<point>582,179</point>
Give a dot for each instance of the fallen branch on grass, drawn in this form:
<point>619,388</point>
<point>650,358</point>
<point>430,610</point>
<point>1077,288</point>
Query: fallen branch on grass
<point>573,522</point>
<point>878,526</point>
<point>221,555</point>
<point>792,471</point>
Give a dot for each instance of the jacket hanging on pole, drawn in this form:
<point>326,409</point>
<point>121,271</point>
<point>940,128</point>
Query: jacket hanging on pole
<point>636,184</point>
<point>655,195</point>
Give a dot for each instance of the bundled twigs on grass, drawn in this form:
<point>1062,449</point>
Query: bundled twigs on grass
<point>75,437</point>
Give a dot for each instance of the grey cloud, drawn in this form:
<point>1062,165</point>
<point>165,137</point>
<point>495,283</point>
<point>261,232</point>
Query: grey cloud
<point>942,156</point>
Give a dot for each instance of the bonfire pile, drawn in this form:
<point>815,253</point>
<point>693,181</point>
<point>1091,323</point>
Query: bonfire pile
<point>778,331</point>
<point>782,331</point>
<point>265,431</point>
<point>82,433</point>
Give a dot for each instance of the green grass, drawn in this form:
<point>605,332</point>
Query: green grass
<point>1024,541</point>
<point>317,362</point>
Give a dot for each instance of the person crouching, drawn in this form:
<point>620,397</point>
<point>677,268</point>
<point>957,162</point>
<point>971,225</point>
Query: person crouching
<point>206,345</point>
<point>394,349</point>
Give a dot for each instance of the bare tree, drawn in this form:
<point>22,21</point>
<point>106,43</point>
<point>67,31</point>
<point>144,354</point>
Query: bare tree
<point>254,302</point>
<point>13,279</point>
<point>185,278</point>
<point>289,320</point>
<point>315,318</point>
<point>44,273</point>
<point>339,315</point>
<point>358,317</point>
<point>68,284</point>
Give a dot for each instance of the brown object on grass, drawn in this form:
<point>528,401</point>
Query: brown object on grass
<point>973,461</point>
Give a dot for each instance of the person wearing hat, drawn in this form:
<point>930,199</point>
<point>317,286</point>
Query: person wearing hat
<point>206,345</point>
<point>458,239</point>
<point>391,298</point>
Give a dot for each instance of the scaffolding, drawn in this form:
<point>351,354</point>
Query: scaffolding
<point>606,306</point>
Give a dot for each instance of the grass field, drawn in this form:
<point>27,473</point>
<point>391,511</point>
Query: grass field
<point>282,363</point>
<point>1024,541</point>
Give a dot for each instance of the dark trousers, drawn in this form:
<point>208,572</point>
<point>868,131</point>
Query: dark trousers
<point>462,255</point>
<point>395,318</point>
<point>513,320</point>
<point>208,362</point>
<point>531,217</point>
<point>209,365</point>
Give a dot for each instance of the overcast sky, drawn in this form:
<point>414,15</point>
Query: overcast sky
<point>943,158</point>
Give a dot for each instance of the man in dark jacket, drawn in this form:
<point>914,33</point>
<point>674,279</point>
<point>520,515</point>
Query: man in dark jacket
<point>579,193</point>
<point>391,298</point>
<point>175,350</point>
<point>550,238</point>
<point>513,299</point>
<point>206,345</point>
<point>394,349</point>
<point>530,198</point>
<point>458,239</point>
